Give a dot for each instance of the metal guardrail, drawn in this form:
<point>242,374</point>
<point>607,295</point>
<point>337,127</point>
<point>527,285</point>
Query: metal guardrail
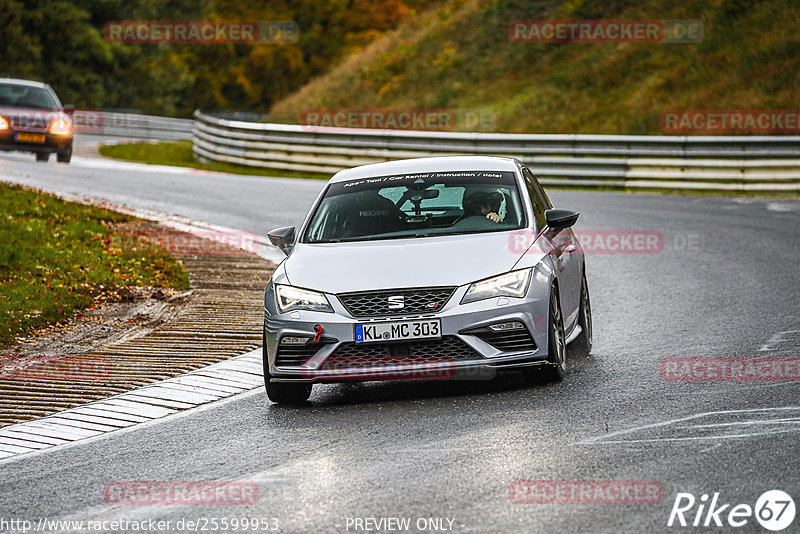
<point>740,163</point>
<point>131,125</point>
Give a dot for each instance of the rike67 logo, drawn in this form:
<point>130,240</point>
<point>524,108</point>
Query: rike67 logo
<point>774,510</point>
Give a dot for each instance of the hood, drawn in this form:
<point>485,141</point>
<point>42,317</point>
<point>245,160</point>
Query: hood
<point>389,264</point>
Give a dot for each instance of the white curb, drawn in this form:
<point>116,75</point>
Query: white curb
<point>161,399</point>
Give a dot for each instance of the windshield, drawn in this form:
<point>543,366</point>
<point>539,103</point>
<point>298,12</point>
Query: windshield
<point>417,205</point>
<point>13,95</point>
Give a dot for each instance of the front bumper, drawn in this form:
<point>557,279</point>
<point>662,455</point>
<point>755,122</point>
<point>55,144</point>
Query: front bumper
<point>473,357</point>
<point>52,143</point>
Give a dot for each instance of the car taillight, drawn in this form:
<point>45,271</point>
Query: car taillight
<point>60,126</point>
<point>3,124</point>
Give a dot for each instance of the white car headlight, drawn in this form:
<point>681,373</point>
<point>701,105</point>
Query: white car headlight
<point>292,298</point>
<point>513,284</point>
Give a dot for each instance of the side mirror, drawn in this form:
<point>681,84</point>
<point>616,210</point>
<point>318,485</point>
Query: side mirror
<point>560,219</point>
<point>69,109</point>
<point>283,238</point>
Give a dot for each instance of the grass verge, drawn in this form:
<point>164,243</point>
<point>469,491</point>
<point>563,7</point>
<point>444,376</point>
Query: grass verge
<point>179,154</point>
<point>458,56</point>
<point>58,258</point>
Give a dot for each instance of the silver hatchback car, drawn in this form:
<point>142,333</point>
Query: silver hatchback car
<point>442,267</point>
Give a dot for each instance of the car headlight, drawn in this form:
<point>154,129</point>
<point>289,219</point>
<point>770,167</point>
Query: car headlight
<point>292,298</point>
<point>513,284</point>
<point>3,124</point>
<point>60,126</point>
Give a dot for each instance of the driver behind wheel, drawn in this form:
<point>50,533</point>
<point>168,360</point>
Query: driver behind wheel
<point>484,204</point>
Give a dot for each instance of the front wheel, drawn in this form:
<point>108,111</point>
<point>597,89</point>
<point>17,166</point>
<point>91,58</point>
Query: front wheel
<point>63,156</point>
<point>583,343</point>
<point>281,392</point>
<point>556,367</point>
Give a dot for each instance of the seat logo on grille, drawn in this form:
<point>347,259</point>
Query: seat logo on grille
<point>396,302</point>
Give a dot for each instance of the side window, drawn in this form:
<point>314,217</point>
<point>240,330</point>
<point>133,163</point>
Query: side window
<point>542,194</point>
<point>540,203</point>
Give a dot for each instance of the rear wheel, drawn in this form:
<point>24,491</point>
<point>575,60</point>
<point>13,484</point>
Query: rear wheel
<point>583,343</point>
<point>65,155</point>
<point>281,392</point>
<point>556,366</point>
<point>42,156</point>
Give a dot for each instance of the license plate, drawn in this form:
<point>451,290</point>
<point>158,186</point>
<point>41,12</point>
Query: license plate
<point>30,137</point>
<point>399,330</point>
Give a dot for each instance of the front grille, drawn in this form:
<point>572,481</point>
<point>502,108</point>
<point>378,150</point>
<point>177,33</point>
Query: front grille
<point>448,349</point>
<point>510,341</point>
<point>296,355</point>
<point>416,301</point>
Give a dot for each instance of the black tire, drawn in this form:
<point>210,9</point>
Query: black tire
<point>65,155</point>
<point>583,343</point>
<point>42,156</point>
<point>292,394</point>
<point>556,367</point>
<point>281,392</point>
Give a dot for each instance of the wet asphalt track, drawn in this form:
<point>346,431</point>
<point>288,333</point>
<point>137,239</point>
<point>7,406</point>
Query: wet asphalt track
<point>724,285</point>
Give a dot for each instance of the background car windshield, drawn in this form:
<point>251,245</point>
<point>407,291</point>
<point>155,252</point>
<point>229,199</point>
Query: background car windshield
<point>14,95</point>
<point>417,205</point>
